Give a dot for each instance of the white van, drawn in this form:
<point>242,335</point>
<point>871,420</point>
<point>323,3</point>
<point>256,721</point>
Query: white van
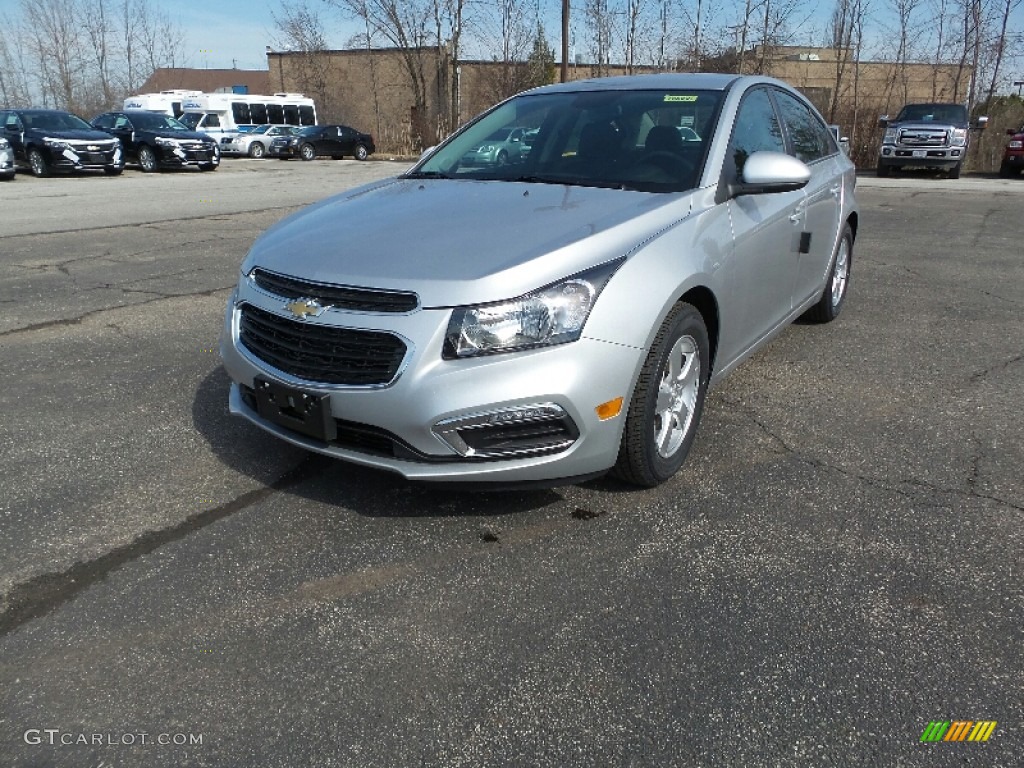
<point>164,102</point>
<point>221,113</point>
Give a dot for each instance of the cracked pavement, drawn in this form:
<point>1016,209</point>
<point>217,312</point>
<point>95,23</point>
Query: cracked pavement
<point>838,564</point>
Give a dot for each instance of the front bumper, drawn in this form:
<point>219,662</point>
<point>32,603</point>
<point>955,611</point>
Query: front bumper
<point>6,163</point>
<point>184,155</point>
<point>418,425</point>
<point>922,157</point>
<point>80,158</point>
<point>1015,160</point>
<point>283,151</point>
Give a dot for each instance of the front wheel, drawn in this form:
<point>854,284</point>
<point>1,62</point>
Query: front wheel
<point>147,160</point>
<point>257,150</point>
<point>38,164</point>
<point>208,167</point>
<point>306,152</point>
<point>954,172</point>
<point>114,170</point>
<point>883,171</point>
<point>361,152</point>
<point>668,401</point>
<point>832,297</point>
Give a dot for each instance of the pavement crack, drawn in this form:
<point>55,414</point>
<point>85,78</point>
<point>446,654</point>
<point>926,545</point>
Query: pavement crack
<point>78,319</point>
<point>970,491</point>
<point>42,594</point>
<point>978,376</point>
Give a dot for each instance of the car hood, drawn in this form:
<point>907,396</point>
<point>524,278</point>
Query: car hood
<point>74,135</point>
<point>930,125</point>
<point>187,135</point>
<point>462,242</point>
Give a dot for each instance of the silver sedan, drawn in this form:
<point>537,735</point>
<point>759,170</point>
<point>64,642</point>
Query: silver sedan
<point>555,319</point>
<point>255,141</point>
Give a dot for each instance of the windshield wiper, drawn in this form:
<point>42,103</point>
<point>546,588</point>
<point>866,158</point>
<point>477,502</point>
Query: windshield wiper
<point>426,175</point>
<point>569,181</point>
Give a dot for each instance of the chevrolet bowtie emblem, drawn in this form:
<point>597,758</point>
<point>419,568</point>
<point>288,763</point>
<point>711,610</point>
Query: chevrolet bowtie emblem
<point>303,308</point>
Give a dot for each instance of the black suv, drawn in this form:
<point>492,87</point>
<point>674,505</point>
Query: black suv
<point>46,140</point>
<point>334,140</point>
<point>155,141</point>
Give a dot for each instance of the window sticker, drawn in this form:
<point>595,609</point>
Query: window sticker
<point>679,98</point>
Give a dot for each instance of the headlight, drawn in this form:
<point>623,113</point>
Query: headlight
<point>1015,144</point>
<point>552,315</point>
<point>56,144</point>
<point>959,137</point>
<point>890,136</point>
<point>165,142</point>
<point>5,145</point>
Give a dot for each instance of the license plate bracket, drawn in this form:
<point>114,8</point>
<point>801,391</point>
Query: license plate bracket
<point>919,153</point>
<point>303,412</point>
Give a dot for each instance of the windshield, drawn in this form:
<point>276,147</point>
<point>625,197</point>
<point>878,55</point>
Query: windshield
<point>623,139</point>
<point>56,121</point>
<point>152,121</point>
<point>191,119</point>
<point>255,129</point>
<point>933,113</point>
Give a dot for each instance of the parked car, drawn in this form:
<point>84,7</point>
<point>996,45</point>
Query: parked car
<point>500,148</point>
<point>255,140</point>
<point>7,169</point>
<point>1013,155</point>
<point>47,140</point>
<point>336,141</point>
<point>156,141</point>
<point>926,136</point>
<point>552,320</point>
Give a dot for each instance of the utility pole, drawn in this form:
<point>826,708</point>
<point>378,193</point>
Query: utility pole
<point>565,40</point>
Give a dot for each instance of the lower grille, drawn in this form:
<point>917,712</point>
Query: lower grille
<point>321,353</point>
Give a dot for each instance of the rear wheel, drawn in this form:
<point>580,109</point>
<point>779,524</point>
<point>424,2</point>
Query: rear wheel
<point>668,400</point>
<point>361,152</point>
<point>37,163</point>
<point>832,297</point>
<point>306,152</point>
<point>147,160</point>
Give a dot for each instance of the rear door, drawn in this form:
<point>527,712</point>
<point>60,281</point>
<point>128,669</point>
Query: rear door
<point>14,132</point>
<point>809,140</point>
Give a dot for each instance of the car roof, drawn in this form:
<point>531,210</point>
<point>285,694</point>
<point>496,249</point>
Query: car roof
<point>698,81</point>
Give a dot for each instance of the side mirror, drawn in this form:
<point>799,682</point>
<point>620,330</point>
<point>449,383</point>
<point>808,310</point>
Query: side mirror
<point>427,152</point>
<point>844,144</point>
<point>980,123</point>
<point>768,172</point>
<point>883,120</point>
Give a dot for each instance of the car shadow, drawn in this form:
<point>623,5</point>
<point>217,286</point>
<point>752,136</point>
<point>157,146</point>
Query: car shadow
<point>250,451</point>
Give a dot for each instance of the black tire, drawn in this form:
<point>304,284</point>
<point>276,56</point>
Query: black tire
<point>307,152</point>
<point>257,150</point>
<point>205,167</point>
<point>954,172</point>
<point>147,160</point>
<point>654,444</point>
<point>833,296</point>
<point>883,171</point>
<point>1007,171</point>
<point>361,152</point>
<point>37,163</point>
<point>114,170</point>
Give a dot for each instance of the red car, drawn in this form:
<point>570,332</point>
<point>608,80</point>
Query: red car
<point>1013,155</point>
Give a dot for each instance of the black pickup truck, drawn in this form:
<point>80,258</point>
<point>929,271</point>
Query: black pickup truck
<point>47,140</point>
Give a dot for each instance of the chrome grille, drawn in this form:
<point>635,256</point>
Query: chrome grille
<point>321,353</point>
<point>340,296</point>
<point>922,137</point>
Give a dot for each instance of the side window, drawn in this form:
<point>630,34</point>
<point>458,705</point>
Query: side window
<point>240,111</point>
<point>211,121</point>
<point>757,129</point>
<point>104,122</point>
<point>809,137</point>
<point>258,113</point>
<point>307,116</point>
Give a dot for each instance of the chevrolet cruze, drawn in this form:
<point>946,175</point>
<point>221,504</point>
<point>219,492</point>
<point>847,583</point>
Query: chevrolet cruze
<point>555,319</point>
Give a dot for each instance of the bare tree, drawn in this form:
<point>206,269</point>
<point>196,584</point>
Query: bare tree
<point>300,30</point>
<point>53,41</point>
<point>508,31</point>
<point>598,22</point>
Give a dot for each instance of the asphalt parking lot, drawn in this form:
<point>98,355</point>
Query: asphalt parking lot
<point>838,564</point>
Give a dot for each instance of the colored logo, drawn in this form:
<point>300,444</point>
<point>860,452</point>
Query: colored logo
<point>958,730</point>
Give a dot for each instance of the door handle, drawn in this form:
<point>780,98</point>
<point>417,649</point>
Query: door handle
<point>797,216</point>
<point>835,190</point>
